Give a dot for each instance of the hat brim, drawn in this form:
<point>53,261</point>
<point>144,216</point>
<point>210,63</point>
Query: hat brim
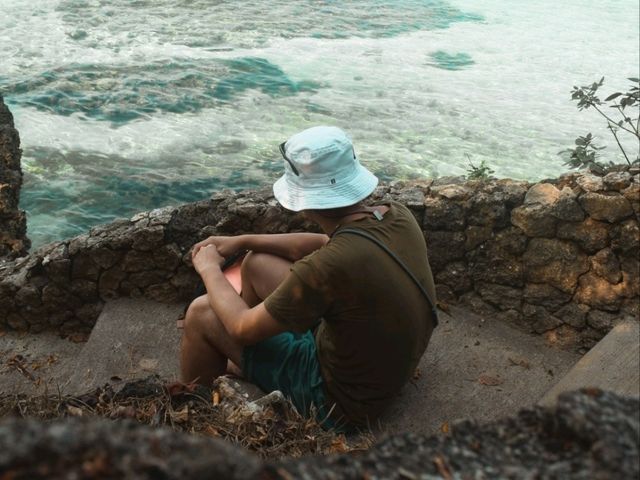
<point>293,197</point>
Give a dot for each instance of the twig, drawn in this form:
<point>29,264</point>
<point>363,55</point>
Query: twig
<point>627,119</point>
<point>612,120</point>
<point>618,142</point>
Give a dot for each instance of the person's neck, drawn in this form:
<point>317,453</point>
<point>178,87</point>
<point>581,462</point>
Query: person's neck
<point>330,224</point>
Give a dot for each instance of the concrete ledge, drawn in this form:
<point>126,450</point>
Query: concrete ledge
<point>613,364</point>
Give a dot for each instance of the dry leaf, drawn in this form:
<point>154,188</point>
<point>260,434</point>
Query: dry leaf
<point>444,428</point>
<point>521,363</point>
<point>79,337</point>
<point>180,415</point>
<point>339,445</point>
<point>74,411</point>
<point>489,381</point>
<point>215,397</point>
<point>148,363</point>
<point>443,468</point>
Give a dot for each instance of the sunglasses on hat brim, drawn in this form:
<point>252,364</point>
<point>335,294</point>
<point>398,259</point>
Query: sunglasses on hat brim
<point>284,155</point>
<point>293,167</point>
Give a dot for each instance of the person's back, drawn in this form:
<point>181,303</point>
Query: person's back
<point>363,306</point>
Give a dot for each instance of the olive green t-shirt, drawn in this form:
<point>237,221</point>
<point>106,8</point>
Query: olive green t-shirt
<point>374,321</point>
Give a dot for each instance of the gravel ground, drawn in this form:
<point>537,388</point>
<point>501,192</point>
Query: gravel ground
<point>589,435</point>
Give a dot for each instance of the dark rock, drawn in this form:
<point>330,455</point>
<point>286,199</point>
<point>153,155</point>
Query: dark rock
<point>413,198</point>
<point>545,295</point>
<point>77,448</point>
<point>444,247</point>
<point>542,194</point>
<point>589,182</point>
<point>455,275</point>
<point>574,314</point>
<point>539,318</point>
<point>488,210</point>
<point>443,214</point>
<point>274,220</point>
<point>477,235</point>
<point>167,257</point>
<point>148,238</point>
<point>534,220</point>
<point>185,281</point>
<point>500,296</point>
<point>89,313</point>
<point>497,261</point>
<point>602,321</point>
<point>444,293</point>
<point>137,261</point>
<point>13,222</point>
<point>451,191</point>
<point>554,262</point>
<point>83,266</point>
<point>606,264</point>
<point>110,282</point>
<point>589,435</point>
<point>632,194</point>
<point>566,207</point>
<point>86,290</point>
<point>596,292</point>
<point>146,278</point>
<point>162,292</point>
<point>17,322</point>
<point>610,208</point>
<point>104,257</point>
<point>626,237</point>
<point>591,235</point>
<point>616,180</point>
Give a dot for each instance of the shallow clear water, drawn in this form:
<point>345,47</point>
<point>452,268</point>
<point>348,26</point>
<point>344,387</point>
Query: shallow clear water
<point>127,105</point>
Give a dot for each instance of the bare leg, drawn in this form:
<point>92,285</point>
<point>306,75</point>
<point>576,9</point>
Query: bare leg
<point>207,351</point>
<point>206,345</point>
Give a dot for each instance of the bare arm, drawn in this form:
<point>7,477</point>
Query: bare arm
<point>245,325</point>
<point>292,246</point>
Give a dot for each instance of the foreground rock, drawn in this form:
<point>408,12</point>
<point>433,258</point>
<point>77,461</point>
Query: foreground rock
<point>590,435</point>
<point>13,221</point>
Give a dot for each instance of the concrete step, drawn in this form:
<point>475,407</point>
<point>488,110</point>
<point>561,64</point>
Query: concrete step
<point>475,369</point>
<point>132,338</point>
<point>613,364</point>
<point>35,364</point>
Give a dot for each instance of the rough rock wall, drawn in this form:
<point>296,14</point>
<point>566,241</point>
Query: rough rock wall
<point>590,435</point>
<point>558,257</point>
<point>13,222</point>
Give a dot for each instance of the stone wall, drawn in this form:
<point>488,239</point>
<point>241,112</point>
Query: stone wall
<point>13,222</point>
<point>559,257</point>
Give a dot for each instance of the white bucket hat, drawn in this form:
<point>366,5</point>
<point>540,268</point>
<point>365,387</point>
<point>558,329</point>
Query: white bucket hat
<point>321,171</point>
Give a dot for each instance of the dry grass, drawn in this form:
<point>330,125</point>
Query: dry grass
<point>274,430</point>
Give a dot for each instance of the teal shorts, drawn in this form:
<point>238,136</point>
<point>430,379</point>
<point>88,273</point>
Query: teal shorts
<point>289,362</point>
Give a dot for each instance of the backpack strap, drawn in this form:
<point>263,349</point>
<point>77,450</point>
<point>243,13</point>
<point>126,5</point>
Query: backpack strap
<point>370,237</point>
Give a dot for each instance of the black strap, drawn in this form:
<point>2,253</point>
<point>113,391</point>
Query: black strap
<point>368,236</point>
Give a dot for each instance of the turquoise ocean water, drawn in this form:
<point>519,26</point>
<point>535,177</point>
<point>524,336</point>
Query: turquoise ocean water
<point>128,105</point>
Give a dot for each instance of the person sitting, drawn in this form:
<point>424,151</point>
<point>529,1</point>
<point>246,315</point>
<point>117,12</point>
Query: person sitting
<point>337,320</point>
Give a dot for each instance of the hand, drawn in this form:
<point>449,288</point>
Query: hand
<point>225,245</point>
<point>206,257</point>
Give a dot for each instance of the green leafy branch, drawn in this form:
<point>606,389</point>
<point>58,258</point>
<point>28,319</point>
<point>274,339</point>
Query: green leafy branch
<point>585,153</point>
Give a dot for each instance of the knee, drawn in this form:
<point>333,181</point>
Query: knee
<point>253,263</point>
<point>196,316</point>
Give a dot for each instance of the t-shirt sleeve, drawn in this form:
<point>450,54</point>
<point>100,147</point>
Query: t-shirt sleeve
<point>300,300</point>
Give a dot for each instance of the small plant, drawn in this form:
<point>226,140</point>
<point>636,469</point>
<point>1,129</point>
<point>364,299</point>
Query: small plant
<point>479,172</point>
<point>585,153</point>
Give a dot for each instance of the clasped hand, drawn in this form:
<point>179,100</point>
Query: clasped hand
<point>213,251</point>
